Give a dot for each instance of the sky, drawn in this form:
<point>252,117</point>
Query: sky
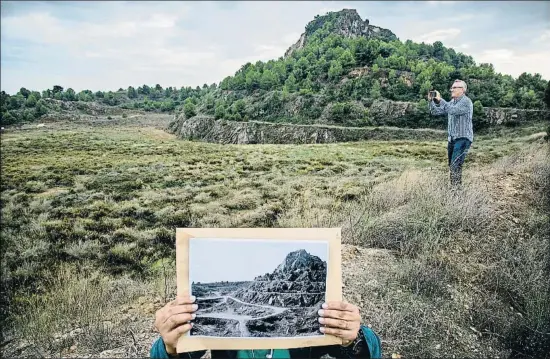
<point>115,44</point>
<point>213,260</point>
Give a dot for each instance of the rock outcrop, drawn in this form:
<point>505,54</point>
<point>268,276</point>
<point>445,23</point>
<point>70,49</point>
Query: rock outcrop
<point>346,22</point>
<point>513,116</point>
<point>299,281</point>
<point>298,266</point>
<point>208,129</point>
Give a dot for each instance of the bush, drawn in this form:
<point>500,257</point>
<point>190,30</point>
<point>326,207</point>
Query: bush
<point>451,250</point>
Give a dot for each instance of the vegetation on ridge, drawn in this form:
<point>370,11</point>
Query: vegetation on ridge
<point>332,79</point>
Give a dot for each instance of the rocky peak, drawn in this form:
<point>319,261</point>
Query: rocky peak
<point>298,265</point>
<point>300,280</point>
<point>346,22</point>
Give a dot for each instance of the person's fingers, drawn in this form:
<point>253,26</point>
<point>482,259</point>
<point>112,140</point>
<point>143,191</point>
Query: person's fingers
<point>342,306</point>
<point>338,314</point>
<point>177,320</point>
<point>180,309</point>
<point>183,300</point>
<point>341,333</point>
<point>336,323</point>
<point>172,336</point>
<point>187,308</point>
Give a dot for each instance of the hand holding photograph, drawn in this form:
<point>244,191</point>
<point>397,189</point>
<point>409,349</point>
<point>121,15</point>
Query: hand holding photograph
<point>258,288</point>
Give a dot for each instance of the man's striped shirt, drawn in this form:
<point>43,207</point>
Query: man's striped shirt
<point>459,120</point>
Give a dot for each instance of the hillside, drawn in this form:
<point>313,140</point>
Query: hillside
<point>298,281</point>
<point>342,68</point>
<point>340,71</point>
<point>89,211</point>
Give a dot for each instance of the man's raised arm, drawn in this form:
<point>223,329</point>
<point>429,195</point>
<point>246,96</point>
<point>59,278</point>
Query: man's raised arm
<point>462,107</point>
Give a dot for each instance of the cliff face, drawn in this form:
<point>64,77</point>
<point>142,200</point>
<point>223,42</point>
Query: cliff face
<point>299,281</point>
<point>208,129</point>
<point>346,22</point>
<point>503,116</point>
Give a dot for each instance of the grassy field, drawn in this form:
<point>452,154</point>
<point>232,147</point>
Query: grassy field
<point>86,205</point>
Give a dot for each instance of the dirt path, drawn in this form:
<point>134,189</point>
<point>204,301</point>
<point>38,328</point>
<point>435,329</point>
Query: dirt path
<point>242,319</point>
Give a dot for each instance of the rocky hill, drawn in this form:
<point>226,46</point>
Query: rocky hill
<point>299,281</point>
<point>208,129</point>
<point>347,23</point>
<point>343,71</point>
<point>337,73</point>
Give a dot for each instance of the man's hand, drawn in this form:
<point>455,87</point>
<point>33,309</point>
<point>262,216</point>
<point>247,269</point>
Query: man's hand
<point>437,97</point>
<point>173,320</point>
<point>340,319</point>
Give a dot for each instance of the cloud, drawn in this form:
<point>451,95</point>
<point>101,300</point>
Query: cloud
<point>334,6</point>
<point>107,45</point>
<point>544,37</point>
<point>509,62</point>
<point>439,35</point>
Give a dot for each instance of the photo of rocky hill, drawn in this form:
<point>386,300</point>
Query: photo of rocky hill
<point>280,303</point>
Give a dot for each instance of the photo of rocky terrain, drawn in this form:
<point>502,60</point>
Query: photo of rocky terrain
<point>280,303</point>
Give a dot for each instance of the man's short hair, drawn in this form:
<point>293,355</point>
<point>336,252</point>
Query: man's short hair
<point>464,86</point>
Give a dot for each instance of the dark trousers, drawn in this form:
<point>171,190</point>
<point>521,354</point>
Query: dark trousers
<point>456,153</point>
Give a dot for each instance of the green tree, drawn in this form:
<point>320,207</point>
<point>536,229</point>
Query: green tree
<point>219,112</point>
<point>40,108</point>
<point>144,90</point>
<point>189,108</point>
<point>478,110</point>
<point>31,100</point>
<point>268,80</point>
<point>547,96</point>
<point>132,93</point>
<point>253,78</point>
<point>375,91</point>
<point>301,69</point>
<point>8,118</point>
<point>239,108</point>
<point>24,92</point>
<point>290,84</point>
<point>70,95</point>
<point>335,70</point>
<point>364,51</point>
<point>167,106</point>
<point>346,60</point>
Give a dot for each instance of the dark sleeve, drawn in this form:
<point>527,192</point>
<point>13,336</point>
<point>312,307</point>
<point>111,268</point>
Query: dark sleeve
<point>371,349</point>
<point>158,351</point>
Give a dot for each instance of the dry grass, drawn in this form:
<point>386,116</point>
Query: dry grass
<point>472,266</point>
<point>80,308</point>
<point>107,199</point>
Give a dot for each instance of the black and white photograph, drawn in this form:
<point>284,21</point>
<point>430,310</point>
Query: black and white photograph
<point>257,288</point>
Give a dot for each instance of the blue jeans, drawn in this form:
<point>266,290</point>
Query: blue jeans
<point>456,153</point>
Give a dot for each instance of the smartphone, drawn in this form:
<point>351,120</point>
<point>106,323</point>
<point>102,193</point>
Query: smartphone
<point>433,94</point>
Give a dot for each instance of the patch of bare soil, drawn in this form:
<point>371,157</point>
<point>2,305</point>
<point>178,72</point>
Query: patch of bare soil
<point>157,133</point>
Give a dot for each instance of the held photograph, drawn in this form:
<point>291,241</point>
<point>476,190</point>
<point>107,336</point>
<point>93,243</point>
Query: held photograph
<point>257,288</point>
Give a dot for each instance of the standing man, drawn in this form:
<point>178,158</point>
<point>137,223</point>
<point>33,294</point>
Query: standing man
<point>459,113</point>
